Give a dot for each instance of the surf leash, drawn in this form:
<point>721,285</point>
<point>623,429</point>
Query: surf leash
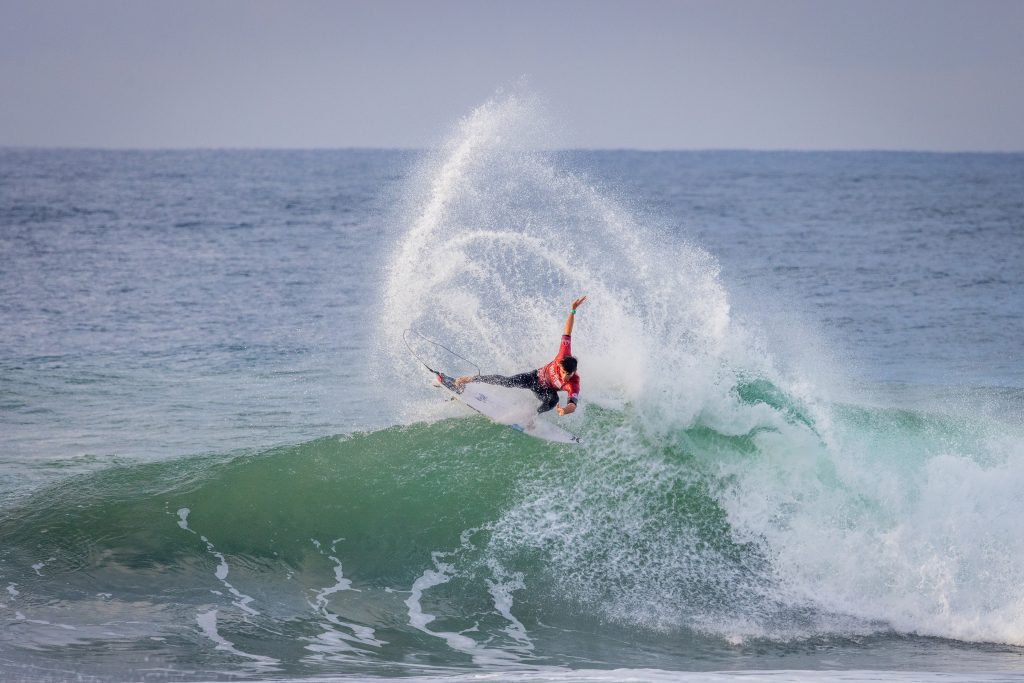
<point>405,339</point>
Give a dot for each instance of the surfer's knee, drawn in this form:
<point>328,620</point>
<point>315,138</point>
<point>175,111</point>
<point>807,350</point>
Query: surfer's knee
<point>548,402</point>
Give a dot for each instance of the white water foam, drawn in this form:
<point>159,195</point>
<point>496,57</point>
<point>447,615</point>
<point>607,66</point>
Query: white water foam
<point>501,240</point>
<point>38,566</point>
<point>207,621</point>
<point>208,624</point>
<point>332,641</point>
<point>936,550</point>
<point>419,619</point>
<point>502,588</point>
<point>221,572</point>
<point>861,518</point>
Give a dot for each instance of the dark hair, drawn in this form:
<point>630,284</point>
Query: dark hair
<point>568,363</point>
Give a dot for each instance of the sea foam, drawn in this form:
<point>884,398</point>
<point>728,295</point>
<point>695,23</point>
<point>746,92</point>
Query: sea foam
<point>817,517</point>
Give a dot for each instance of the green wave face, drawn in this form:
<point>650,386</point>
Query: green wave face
<point>375,546</point>
<point>389,494</point>
<point>464,543</point>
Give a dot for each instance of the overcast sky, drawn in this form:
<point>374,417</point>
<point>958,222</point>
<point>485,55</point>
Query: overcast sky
<point>788,74</point>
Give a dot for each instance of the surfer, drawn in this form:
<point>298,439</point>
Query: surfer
<point>546,382</point>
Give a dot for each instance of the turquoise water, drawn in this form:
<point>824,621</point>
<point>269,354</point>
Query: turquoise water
<point>802,414</point>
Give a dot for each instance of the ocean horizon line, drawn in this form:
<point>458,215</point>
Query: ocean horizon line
<point>632,150</point>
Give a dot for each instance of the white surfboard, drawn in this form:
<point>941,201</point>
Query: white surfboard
<point>493,402</point>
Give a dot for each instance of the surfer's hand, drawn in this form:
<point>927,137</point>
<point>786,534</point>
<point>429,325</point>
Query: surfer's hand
<point>569,318</point>
<point>463,381</point>
<point>571,407</point>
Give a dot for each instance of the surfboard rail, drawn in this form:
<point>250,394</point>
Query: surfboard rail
<point>487,401</point>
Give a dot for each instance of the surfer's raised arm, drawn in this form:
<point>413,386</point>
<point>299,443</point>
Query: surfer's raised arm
<point>572,314</point>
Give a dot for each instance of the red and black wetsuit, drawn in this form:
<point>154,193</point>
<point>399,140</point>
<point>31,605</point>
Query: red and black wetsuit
<point>545,382</point>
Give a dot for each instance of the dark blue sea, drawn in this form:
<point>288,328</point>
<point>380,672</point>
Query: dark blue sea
<point>802,414</point>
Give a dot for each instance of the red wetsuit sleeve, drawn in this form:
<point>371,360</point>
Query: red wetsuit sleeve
<point>574,388</point>
<point>564,348</point>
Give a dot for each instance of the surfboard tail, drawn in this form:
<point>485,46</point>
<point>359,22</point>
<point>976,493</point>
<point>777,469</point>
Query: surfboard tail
<point>448,382</point>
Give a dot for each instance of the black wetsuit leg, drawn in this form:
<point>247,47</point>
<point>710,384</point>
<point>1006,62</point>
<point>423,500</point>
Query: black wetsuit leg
<point>548,399</point>
<point>525,380</point>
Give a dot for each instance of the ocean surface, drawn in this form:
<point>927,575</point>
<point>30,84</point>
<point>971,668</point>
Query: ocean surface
<point>802,413</point>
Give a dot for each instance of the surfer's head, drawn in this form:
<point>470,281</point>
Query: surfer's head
<point>568,365</point>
